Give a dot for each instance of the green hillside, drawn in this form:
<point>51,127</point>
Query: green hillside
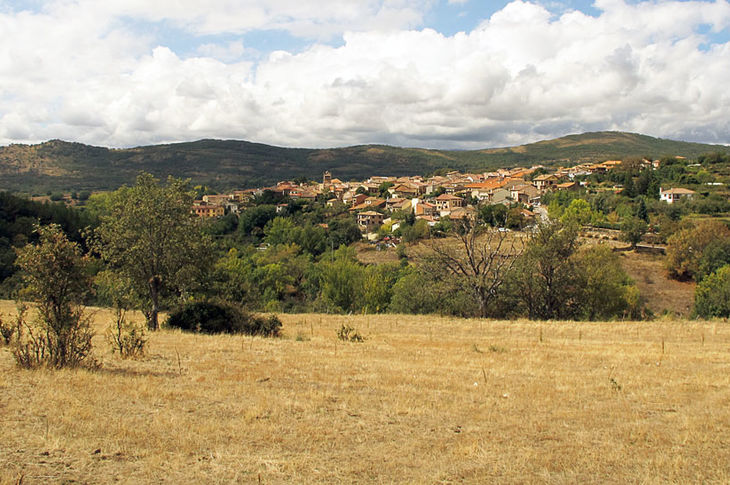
<point>59,165</point>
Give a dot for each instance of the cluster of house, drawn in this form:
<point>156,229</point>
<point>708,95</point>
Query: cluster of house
<point>429,198</point>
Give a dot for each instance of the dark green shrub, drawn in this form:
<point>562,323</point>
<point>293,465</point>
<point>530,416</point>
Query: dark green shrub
<point>222,317</point>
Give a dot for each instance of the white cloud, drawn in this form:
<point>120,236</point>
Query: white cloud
<point>75,71</point>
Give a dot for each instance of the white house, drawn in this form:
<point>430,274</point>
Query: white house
<point>673,195</point>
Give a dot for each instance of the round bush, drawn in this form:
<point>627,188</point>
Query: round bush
<point>712,295</point>
<point>222,317</point>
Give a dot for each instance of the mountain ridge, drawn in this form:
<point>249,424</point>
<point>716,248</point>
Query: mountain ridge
<point>223,164</point>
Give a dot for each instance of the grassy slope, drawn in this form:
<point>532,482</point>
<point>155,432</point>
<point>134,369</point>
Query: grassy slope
<point>423,400</point>
<point>228,163</point>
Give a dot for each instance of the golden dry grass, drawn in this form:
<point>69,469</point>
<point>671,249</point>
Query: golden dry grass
<point>422,400</point>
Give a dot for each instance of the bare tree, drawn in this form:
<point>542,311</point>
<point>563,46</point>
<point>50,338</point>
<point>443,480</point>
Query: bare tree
<point>478,259</point>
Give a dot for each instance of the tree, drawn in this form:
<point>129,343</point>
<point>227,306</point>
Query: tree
<point>378,281</point>
<point>253,220</point>
<point>685,248</point>
<point>712,295</point>
<point>606,290</point>
<point>55,275</point>
<point>632,230</point>
<point>383,189</point>
<point>641,211</point>
<point>151,236</point>
<point>493,215</point>
<point>341,281</point>
<point>479,261</point>
<point>419,230</point>
<point>628,181</point>
<point>545,278</point>
<point>578,212</point>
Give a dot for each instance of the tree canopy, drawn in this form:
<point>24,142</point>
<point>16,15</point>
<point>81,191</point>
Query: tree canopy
<point>151,236</point>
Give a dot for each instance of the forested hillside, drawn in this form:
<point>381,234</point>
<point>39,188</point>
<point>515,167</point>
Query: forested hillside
<point>223,164</point>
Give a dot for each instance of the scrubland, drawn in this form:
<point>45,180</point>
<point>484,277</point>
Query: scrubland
<point>423,399</point>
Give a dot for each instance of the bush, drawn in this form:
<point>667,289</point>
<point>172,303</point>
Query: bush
<point>712,296</point>
<point>694,251</point>
<point>349,334</point>
<point>56,277</point>
<point>222,317</point>
<point>126,337</point>
<point>37,344</point>
<point>6,332</point>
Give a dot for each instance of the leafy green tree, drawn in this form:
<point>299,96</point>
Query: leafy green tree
<point>233,278</point>
<point>715,255</point>
<point>545,279</point>
<point>515,218</point>
<point>279,230</point>
<point>280,274</point>
<point>378,282</point>
<point>342,231</point>
<point>383,189</point>
<point>437,191</point>
<point>151,236</point>
<point>641,211</point>
<point>414,293</point>
<point>578,212</point>
<point>685,248</point>
<point>311,239</point>
<point>221,226</point>
<point>341,281</point>
<point>628,183</point>
<point>412,233</point>
<point>714,158</point>
<point>712,295</point>
<point>269,197</point>
<point>632,230</point>
<point>606,290</point>
<point>422,291</point>
<point>494,215</point>
<point>647,184</point>
<point>253,220</point>
<point>55,274</point>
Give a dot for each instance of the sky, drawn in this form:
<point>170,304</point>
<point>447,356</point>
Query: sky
<point>455,74</point>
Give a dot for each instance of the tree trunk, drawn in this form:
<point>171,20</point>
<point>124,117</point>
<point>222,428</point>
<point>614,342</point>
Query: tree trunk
<point>152,315</point>
<point>483,299</point>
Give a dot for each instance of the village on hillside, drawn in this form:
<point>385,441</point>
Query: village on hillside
<point>452,194</point>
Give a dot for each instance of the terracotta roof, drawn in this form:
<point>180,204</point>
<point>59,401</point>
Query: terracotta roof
<point>447,197</point>
<point>487,185</point>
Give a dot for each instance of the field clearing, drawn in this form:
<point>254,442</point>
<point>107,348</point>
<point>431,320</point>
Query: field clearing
<point>422,400</point>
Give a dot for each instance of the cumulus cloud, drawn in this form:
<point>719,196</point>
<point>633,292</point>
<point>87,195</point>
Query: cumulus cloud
<point>523,74</point>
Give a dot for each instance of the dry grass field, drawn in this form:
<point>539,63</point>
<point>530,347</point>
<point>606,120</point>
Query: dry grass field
<point>422,400</point>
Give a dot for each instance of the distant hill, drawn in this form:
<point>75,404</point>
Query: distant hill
<point>223,164</point>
